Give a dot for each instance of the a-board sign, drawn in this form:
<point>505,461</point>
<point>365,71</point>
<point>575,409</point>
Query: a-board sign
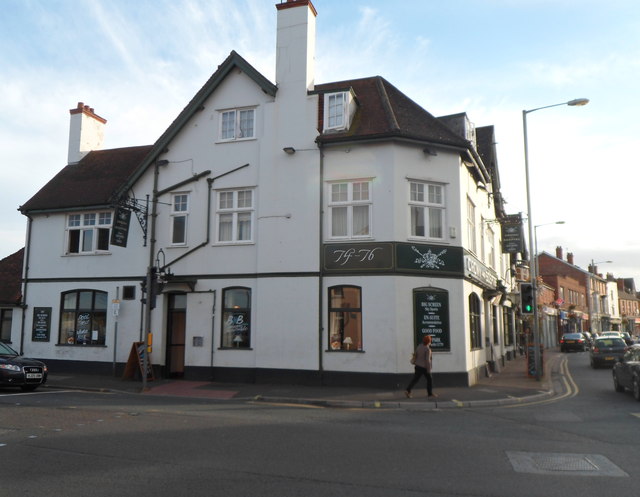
<point>41,329</point>
<point>136,362</point>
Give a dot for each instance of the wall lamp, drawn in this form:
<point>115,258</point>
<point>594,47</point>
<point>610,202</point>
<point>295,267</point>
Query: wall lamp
<point>289,150</point>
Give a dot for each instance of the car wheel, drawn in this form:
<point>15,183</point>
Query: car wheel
<point>616,383</point>
<point>636,388</point>
<point>28,388</point>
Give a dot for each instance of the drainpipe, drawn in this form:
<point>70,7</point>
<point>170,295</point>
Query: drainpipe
<point>23,303</point>
<point>320,272</point>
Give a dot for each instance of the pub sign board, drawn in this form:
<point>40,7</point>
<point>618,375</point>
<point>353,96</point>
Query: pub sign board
<point>120,230</point>
<point>41,330</point>
<point>358,257</point>
<point>433,259</point>
<point>431,317</point>
<point>512,235</point>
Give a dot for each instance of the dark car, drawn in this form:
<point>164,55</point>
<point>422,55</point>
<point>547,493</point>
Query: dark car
<point>626,372</point>
<point>607,350</point>
<point>18,371</point>
<point>627,338</point>
<point>573,341</point>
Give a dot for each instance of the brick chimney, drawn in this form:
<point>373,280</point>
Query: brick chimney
<point>86,132</point>
<point>570,258</point>
<point>559,252</point>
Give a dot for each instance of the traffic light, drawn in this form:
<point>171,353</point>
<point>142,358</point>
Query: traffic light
<point>527,298</point>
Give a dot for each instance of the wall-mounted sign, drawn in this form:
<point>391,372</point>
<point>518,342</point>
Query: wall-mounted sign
<point>431,317</point>
<point>120,230</point>
<point>358,257</point>
<point>479,273</point>
<point>41,329</point>
<point>429,258</point>
<point>512,234</point>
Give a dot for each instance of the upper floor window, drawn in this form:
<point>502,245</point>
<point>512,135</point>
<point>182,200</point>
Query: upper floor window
<point>426,204</point>
<point>235,216</point>
<point>350,209</point>
<point>339,109</point>
<point>179,215</point>
<point>471,225</point>
<point>237,124</point>
<point>88,233</point>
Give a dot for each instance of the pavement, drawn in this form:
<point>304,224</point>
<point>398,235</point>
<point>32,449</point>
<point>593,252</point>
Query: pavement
<point>510,386</point>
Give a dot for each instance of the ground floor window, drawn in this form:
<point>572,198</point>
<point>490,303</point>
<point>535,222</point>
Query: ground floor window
<point>83,317</point>
<point>507,324</point>
<point>345,318</point>
<point>236,318</point>
<point>475,324</point>
<point>6,317</point>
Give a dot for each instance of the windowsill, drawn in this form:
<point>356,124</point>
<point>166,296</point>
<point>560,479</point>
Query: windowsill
<point>224,244</point>
<point>84,254</point>
<point>80,345</point>
<point>427,240</point>
<point>345,351</point>
<point>235,348</point>
<point>235,140</point>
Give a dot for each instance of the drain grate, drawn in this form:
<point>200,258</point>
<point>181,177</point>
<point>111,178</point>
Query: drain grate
<point>553,464</point>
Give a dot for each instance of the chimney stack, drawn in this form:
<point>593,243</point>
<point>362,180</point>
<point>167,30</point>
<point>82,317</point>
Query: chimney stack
<point>295,46</point>
<point>570,258</point>
<point>559,252</point>
<point>86,132</point>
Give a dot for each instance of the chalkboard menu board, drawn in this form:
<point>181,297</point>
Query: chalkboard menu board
<point>431,317</point>
<point>41,330</point>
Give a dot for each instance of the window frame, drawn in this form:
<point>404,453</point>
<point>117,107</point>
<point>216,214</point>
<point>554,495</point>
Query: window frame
<point>343,114</point>
<point>349,205</point>
<point>475,322</point>
<point>177,215</point>
<point>236,213</point>
<point>336,337</point>
<point>238,133</point>
<point>243,336</point>
<point>472,233</point>
<point>92,228</point>
<point>6,323</point>
<point>426,206</point>
<point>97,318</point>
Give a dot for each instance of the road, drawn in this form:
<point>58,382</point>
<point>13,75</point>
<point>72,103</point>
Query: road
<point>584,443</point>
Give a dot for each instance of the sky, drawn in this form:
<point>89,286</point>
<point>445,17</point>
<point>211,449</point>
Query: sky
<point>138,63</point>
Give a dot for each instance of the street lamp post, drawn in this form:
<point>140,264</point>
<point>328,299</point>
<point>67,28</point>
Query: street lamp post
<point>532,266</point>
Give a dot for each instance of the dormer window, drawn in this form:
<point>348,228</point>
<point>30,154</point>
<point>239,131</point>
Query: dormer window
<point>338,109</point>
<point>237,124</point>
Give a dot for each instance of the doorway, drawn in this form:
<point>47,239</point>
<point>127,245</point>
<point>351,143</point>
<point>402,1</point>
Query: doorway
<point>176,333</point>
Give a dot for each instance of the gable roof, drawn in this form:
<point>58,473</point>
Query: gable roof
<point>10,278</point>
<point>90,183</point>
<point>385,112</point>
<point>233,61</point>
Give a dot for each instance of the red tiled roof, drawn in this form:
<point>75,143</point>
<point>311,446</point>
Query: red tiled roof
<point>91,182</point>
<point>385,112</point>
<point>10,278</point>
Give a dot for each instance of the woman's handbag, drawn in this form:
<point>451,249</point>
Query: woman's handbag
<point>413,358</point>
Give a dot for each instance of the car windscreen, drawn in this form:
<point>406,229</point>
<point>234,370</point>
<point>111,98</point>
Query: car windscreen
<point>610,342</point>
<point>6,350</point>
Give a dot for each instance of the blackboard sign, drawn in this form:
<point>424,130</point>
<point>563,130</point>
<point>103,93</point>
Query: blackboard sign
<point>431,317</point>
<point>136,362</point>
<point>41,330</point>
<point>120,230</point>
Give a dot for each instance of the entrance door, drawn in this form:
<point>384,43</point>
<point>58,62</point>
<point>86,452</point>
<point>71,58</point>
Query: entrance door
<point>176,331</point>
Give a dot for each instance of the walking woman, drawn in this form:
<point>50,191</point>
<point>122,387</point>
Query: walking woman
<point>422,367</point>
